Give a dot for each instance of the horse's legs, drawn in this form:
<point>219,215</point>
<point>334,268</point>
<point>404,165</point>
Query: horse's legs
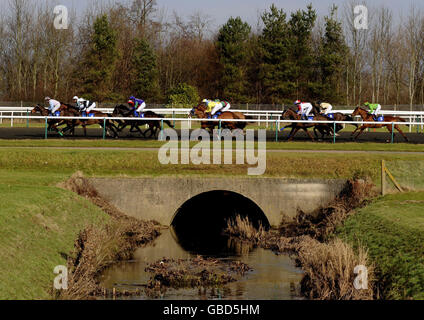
<point>357,128</point>
<point>309,134</point>
<point>141,131</point>
<point>113,129</point>
<point>361,130</point>
<point>401,132</point>
<point>315,132</point>
<point>293,133</point>
<point>134,128</point>
<point>322,131</point>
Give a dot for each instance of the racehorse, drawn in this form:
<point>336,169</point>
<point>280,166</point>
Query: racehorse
<point>67,110</point>
<point>200,112</point>
<point>289,114</point>
<point>337,116</point>
<point>126,112</point>
<point>369,118</point>
<point>53,124</point>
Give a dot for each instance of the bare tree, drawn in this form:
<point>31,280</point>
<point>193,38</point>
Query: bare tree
<point>356,40</point>
<point>379,42</point>
<point>140,11</point>
<point>412,42</point>
<point>199,25</point>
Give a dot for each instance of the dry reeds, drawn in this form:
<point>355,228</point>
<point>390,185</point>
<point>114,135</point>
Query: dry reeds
<point>243,229</point>
<point>329,270</point>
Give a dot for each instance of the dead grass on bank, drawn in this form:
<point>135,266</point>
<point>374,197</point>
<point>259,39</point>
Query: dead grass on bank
<point>329,270</point>
<point>97,247</point>
<point>322,223</point>
<point>328,264</point>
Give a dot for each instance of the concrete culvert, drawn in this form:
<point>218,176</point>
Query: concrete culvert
<point>199,223</point>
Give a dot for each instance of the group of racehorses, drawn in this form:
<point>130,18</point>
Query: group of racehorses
<point>291,114</point>
<point>113,127</point>
<point>328,128</point>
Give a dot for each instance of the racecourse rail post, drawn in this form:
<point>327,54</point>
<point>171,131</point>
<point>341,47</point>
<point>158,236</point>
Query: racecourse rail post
<point>173,116</point>
<point>45,128</point>
<point>334,132</point>
<point>276,130</point>
<point>27,119</point>
<point>219,129</point>
<point>161,130</point>
<point>383,177</point>
<point>393,132</point>
<point>104,128</point>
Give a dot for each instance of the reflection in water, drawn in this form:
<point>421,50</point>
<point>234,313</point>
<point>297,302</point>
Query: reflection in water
<point>273,277</point>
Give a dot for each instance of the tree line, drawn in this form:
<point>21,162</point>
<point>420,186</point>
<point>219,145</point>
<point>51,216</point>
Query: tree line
<point>112,51</point>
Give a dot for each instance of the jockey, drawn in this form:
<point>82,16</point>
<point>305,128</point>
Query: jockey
<point>374,108</point>
<point>326,107</point>
<point>138,105</point>
<point>212,106</point>
<point>54,105</point>
<point>226,106</point>
<point>85,106</point>
<point>209,105</point>
<point>304,108</point>
<point>217,107</point>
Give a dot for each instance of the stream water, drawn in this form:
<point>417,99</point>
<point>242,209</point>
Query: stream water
<point>274,277</point>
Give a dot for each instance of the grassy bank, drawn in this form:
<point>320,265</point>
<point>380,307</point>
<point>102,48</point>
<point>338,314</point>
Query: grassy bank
<point>38,225</point>
<point>392,229</point>
<point>49,165</point>
<point>271,145</point>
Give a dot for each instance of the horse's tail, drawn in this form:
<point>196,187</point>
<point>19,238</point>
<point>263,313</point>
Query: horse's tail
<point>169,123</point>
<point>164,121</point>
<point>250,118</point>
<point>348,117</point>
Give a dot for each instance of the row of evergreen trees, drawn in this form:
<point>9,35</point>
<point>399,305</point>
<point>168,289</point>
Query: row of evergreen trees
<point>279,65</point>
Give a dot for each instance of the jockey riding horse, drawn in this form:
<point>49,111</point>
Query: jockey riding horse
<point>125,112</point>
<point>334,116</point>
<point>290,114</point>
<point>201,111</point>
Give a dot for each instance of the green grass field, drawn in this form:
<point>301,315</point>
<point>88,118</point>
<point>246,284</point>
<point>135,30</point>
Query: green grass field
<point>145,162</point>
<point>392,229</point>
<point>270,145</point>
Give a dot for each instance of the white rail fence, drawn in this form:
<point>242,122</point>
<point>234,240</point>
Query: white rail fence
<point>415,117</point>
<point>276,123</point>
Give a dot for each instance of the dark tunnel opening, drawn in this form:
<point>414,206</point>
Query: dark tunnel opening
<point>199,223</point>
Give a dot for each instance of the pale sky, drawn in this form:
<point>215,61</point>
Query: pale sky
<point>220,10</point>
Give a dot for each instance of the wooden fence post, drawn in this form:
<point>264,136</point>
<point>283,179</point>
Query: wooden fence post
<point>383,178</point>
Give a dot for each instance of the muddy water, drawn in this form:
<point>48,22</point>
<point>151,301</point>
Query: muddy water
<point>273,276</point>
